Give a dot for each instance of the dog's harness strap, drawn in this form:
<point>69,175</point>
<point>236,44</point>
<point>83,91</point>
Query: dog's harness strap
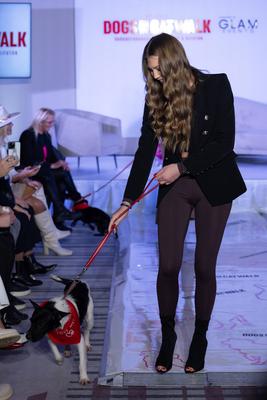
<point>107,235</point>
<point>107,183</point>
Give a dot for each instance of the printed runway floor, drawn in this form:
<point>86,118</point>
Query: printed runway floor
<point>238,330</point>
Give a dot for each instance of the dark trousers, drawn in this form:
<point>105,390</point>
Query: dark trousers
<point>65,184</point>
<point>29,234</point>
<point>173,220</point>
<point>7,251</point>
<point>46,177</point>
<point>58,184</point>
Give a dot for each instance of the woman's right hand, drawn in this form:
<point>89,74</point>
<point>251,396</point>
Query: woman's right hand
<point>22,203</point>
<point>25,173</point>
<point>6,164</point>
<point>31,171</point>
<point>115,219</point>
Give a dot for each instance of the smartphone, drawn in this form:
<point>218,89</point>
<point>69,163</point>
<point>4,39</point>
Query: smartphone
<point>38,164</point>
<point>13,149</point>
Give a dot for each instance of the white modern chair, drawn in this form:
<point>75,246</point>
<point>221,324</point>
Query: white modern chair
<point>82,134</point>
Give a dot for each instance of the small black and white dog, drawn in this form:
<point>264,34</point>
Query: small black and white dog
<point>92,216</point>
<point>61,319</point>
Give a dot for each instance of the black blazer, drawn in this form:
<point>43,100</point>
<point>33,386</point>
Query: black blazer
<point>211,158</point>
<point>31,152</point>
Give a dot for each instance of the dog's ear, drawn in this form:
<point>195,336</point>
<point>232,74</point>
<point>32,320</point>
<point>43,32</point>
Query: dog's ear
<point>35,305</point>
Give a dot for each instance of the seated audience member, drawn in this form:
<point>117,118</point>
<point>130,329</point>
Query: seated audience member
<point>7,245</point>
<point>54,174</point>
<point>24,188</point>
<point>25,232</point>
<point>8,339</point>
<point>32,193</point>
<point>7,336</point>
<point>7,249</point>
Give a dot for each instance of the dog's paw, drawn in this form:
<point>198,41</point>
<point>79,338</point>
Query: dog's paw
<point>67,353</point>
<point>59,360</point>
<point>89,347</point>
<point>84,380</point>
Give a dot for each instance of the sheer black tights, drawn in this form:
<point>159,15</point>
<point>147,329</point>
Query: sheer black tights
<point>173,218</point>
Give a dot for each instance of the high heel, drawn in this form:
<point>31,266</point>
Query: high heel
<point>164,360</point>
<point>198,348</point>
<point>36,267</point>
<point>23,275</point>
<point>55,248</point>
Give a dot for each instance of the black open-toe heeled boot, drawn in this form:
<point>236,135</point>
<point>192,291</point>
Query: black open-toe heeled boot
<point>164,360</point>
<point>198,348</point>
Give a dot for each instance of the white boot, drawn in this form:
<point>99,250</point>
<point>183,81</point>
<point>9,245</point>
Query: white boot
<point>61,234</point>
<point>49,236</point>
<point>39,194</point>
<point>6,391</point>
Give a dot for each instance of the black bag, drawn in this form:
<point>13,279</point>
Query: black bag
<point>7,198</point>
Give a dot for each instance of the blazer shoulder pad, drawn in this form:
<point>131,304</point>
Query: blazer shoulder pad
<point>27,132</point>
<point>217,77</point>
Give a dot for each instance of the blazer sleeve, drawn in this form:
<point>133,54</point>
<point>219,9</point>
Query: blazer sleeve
<point>53,155</point>
<point>143,160</point>
<point>223,137</point>
<point>27,153</point>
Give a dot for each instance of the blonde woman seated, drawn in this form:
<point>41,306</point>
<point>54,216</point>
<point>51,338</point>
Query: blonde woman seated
<point>30,193</point>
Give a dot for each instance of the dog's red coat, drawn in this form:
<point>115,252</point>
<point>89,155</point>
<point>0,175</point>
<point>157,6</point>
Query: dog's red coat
<point>71,332</point>
<point>82,205</point>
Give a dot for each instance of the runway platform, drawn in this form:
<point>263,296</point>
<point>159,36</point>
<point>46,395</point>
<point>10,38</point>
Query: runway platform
<point>237,352</point>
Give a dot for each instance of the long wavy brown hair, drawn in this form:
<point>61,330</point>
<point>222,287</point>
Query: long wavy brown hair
<point>170,102</point>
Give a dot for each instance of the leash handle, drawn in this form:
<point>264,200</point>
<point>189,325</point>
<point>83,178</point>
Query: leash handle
<point>142,195</point>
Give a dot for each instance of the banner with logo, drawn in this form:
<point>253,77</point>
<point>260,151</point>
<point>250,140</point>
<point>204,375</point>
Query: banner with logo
<point>15,40</point>
<point>226,36</point>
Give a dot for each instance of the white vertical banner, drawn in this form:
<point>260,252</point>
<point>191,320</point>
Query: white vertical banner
<point>15,40</point>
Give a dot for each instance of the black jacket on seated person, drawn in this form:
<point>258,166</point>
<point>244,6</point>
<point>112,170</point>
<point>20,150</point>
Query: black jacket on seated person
<point>32,148</point>
<point>36,149</point>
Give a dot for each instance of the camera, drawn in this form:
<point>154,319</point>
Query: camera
<point>13,150</point>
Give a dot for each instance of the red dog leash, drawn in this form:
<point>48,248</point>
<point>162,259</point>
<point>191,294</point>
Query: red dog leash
<point>107,183</point>
<point>107,235</point>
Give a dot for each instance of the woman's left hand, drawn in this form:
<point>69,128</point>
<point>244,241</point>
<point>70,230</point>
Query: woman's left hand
<point>33,184</point>
<point>26,173</point>
<point>168,174</point>
<point>60,164</point>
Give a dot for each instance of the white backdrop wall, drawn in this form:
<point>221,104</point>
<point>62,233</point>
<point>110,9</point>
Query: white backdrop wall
<point>108,66</point>
<point>53,64</point>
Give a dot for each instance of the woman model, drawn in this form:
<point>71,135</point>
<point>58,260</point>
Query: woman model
<point>192,113</point>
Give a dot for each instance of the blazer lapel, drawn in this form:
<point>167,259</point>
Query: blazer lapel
<point>197,120</point>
